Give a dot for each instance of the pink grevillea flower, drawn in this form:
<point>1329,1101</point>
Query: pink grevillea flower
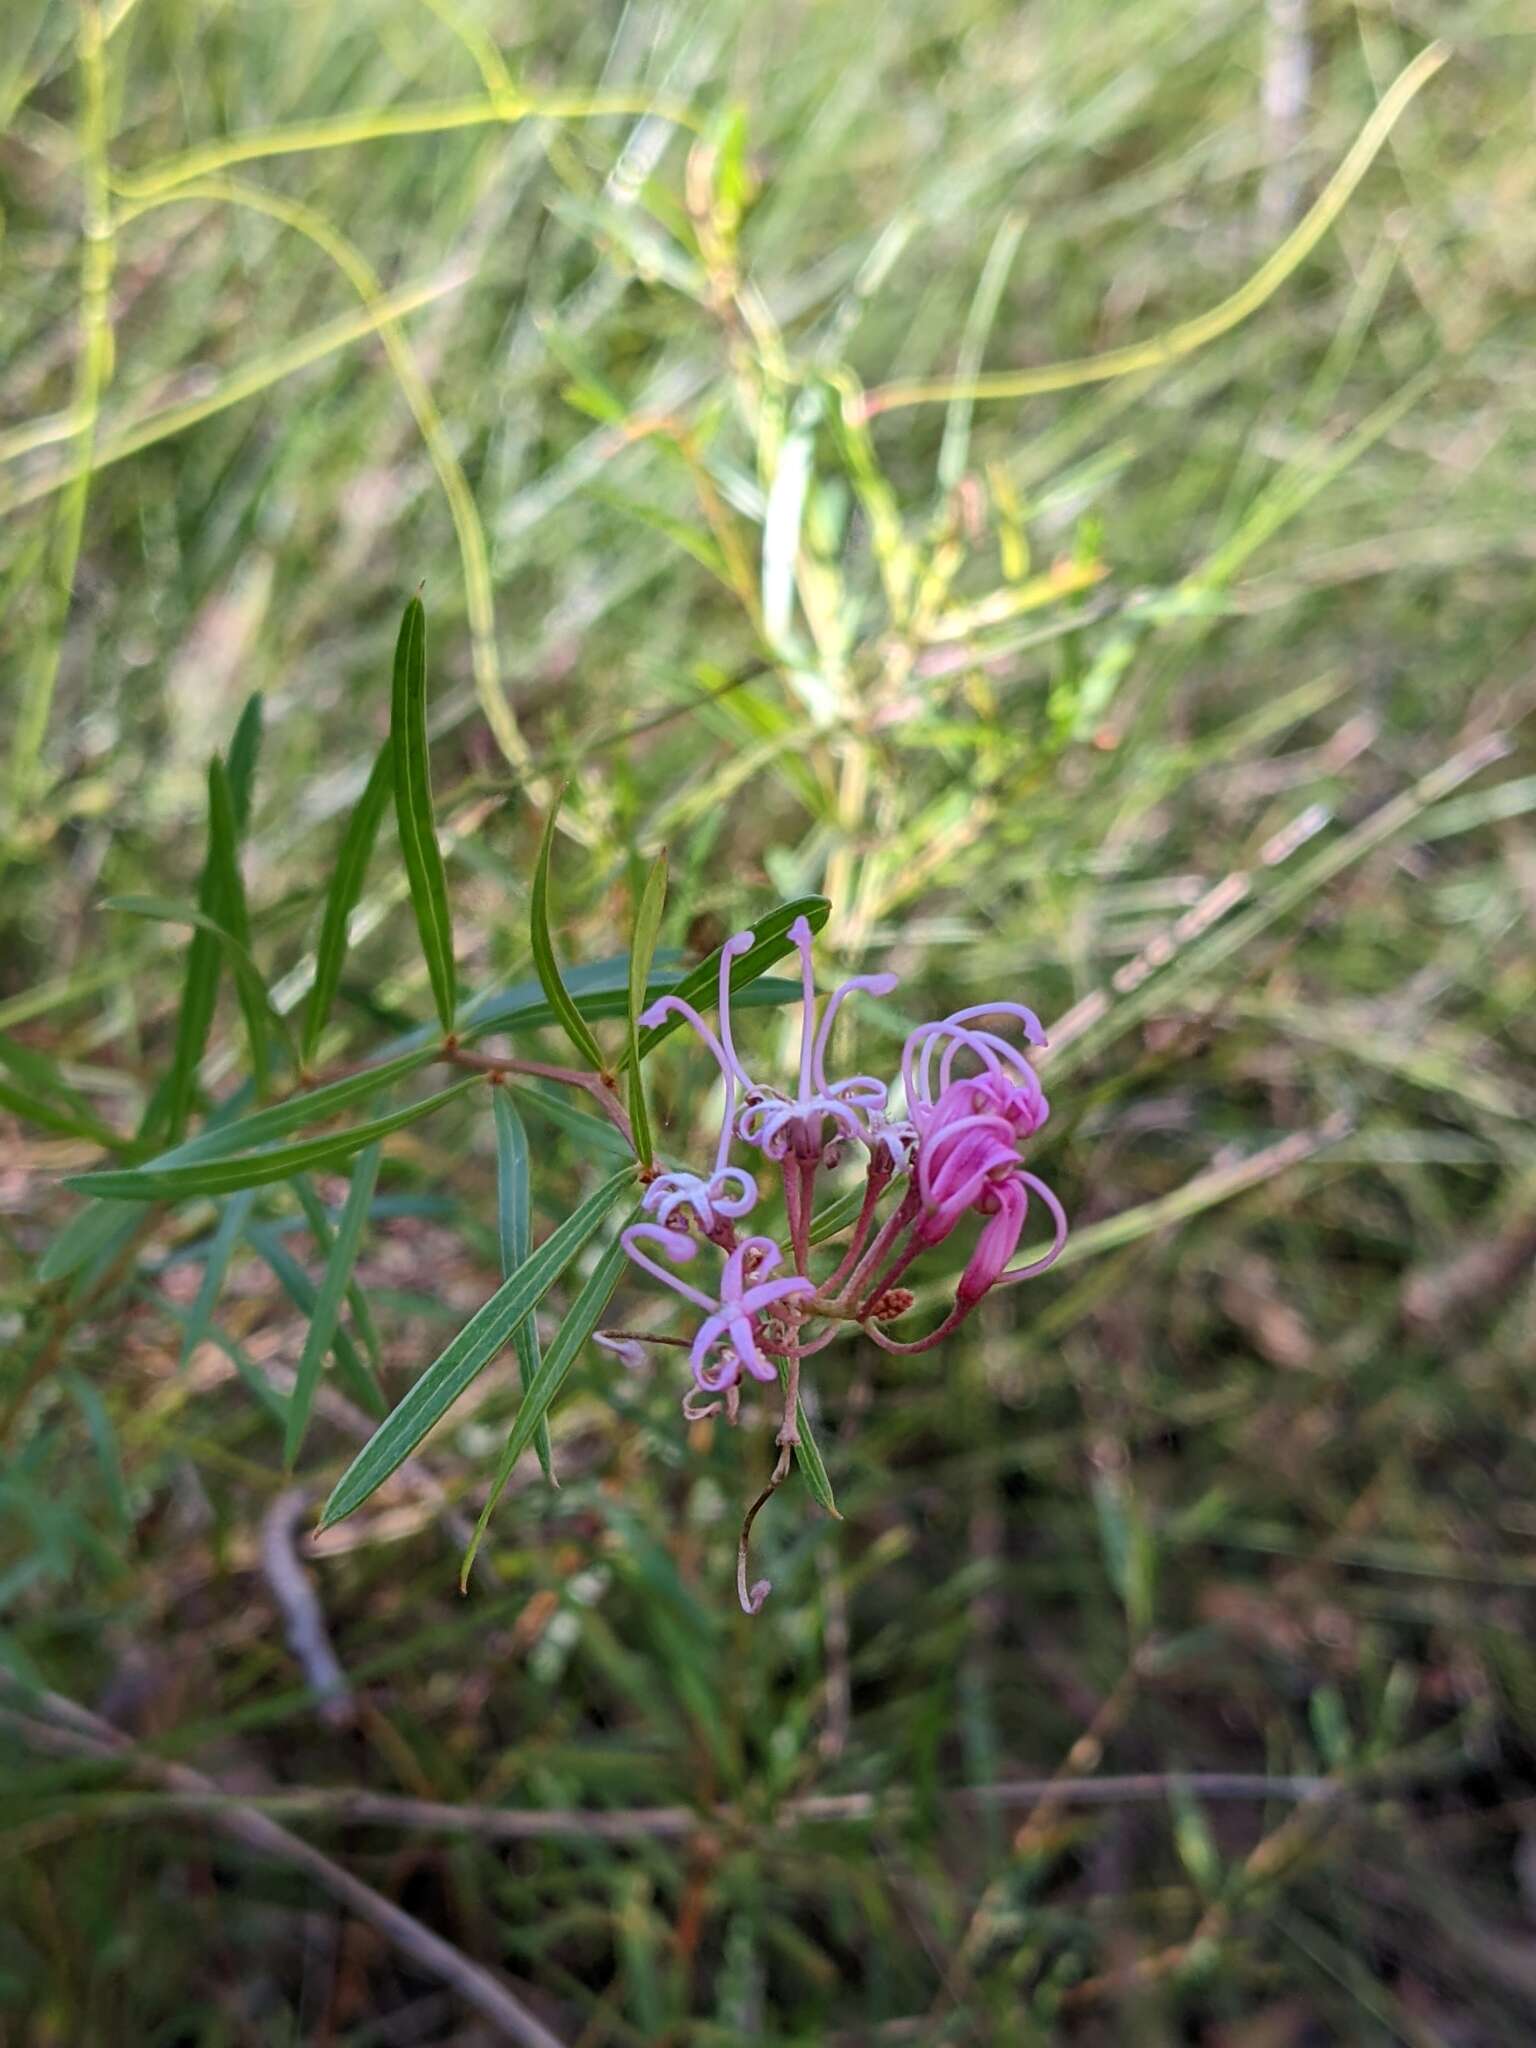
<point>969,1127</point>
<point>1005,1203</point>
<point>928,1066</point>
<point>967,1149</point>
<point>629,1351</point>
<point>720,1197</point>
<point>779,1124</point>
<point>729,1321</point>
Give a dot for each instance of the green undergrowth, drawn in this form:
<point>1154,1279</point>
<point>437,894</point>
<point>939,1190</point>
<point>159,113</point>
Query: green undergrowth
<point>659,347</point>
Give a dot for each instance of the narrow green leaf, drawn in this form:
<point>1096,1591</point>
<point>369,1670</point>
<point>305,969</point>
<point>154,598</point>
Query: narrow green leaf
<point>836,1216</point>
<point>244,748</point>
<point>486,1332</point>
<point>782,521</point>
<point>171,1106</point>
<point>518,1016</point>
<point>653,899</point>
<point>546,966</point>
<point>100,1229</point>
<point>413,809</point>
<point>320,1229</point>
<point>514,1228</point>
<point>583,1317</point>
<point>688,534</point>
<point>255,1381</point>
<point>333,1287</point>
<point>153,1183</point>
<point>49,1116</point>
<point>808,1454</point>
<point>592,1133</point>
<point>770,942</point>
<point>341,898</point>
<point>98,1426</point>
<point>302,1292</point>
<point>229,894</point>
<point>232,1222</point>
<point>252,989</point>
<point>39,1076</point>
<point>244,1134</point>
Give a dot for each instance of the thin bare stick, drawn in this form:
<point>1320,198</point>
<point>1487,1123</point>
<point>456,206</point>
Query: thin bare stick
<point>341,1806</point>
<point>752,1598</point>
<point>70,1729</point>
<point>293,1589</point>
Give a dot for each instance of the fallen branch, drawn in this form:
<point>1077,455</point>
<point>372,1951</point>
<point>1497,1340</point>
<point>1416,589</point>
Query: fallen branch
<point>70,1730</point>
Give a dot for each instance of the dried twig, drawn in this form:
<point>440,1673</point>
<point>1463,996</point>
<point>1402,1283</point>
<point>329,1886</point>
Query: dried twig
<point>293,1589</point>
<point>68,1729</point>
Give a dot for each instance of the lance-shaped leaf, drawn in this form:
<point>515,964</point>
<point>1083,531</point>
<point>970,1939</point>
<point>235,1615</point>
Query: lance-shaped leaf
<point>585,1313</point>
<point>158,1182</point>
<point>320,1229</point>
<point>837,1215</point>
<point>92,1238</point>
<point>171,1105</point>
<point>653,899</point>
<point>304,1295</point>
<point>55,1103</point>
<point>485,1334</point>
<point>808,1455</point>
<point>244,748</point>
<point>514,1230</point>
<point>559,997</point>
<point>592,1133</point>
<point>341,897</point>
<point>513,1011</point>
<point>770,942</point>
<point>50,1116</point>
<point>254,999</point>
<point>326,1313</point>
<point>413,809</point>
<point>232,1222</point>
<point>246,1133</point>
<point>229,895</point>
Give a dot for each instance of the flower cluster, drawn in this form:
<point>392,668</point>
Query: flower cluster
<point>971,1099</point>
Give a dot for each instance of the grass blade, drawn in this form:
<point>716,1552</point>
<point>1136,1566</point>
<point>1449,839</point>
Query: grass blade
<point>470,1352</point>
<point>514,1228</point>
<point>334,1285</point>
<point>231,1227</point>
<point>229,891</point>
<point>653,899</point>
<point>194,1020</point>
<point>159,1182</point>
<point>585,1313</point>
<point>567,1015</point>
<point>244,749</point>
<point>770,942</point>
<point>341,898</point>
<point>413,809</point>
